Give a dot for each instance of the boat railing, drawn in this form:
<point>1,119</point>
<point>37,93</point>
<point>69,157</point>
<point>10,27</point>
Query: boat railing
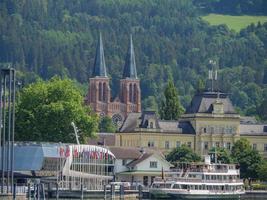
<point>196,180</point>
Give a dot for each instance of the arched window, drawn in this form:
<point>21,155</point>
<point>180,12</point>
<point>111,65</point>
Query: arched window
<point>135,94</point>
<point>130,92</point>
<point>100,93</point>
<point>104,92</point>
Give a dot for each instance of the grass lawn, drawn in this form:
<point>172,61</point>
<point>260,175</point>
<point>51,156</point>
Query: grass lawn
<point>234,22</point>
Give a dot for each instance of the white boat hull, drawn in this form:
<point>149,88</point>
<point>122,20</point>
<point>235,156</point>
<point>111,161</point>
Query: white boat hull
<point>185,194</point>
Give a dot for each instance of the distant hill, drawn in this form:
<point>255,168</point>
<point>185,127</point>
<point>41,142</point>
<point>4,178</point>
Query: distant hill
<point>47,37</point>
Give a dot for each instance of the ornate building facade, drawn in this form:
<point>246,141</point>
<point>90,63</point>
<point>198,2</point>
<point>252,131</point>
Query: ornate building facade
<point>99,92</point>
<point>209,121</point>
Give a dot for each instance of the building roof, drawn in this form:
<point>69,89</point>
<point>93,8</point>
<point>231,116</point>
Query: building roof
<point>139,160</point>
<point>99,65</point>
<point>146,116</point>
<point>130,66</point>
<point>106,139</point>
<point>131,122</point>
<point>126,152</point>
<point>203,103</point>
<point>135,121</point>
<point>253,129</point>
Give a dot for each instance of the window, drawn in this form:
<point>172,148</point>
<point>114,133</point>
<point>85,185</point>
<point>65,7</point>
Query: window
<point>153,164</point>
<point>189,144</point>
<point>178,144</point>
<point>150,144</point>
<point>124,162</point>
<point>206,145</point>
<point>151,125</point>
<point>167,145</point>
<point>217,144</point>
<point>265,147</point>
<point>254,146</point>
<point>205,130</point>
<point>228,145</point>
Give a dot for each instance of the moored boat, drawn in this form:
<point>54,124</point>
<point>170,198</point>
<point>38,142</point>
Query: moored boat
<point>200,181</point>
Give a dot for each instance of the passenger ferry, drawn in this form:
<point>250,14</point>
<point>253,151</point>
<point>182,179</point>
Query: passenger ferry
<point>200,181</point>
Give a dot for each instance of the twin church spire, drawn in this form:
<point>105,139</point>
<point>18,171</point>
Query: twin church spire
<point>128,99</point>
<point>100,65</point>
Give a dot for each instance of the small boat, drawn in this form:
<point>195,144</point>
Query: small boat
<point>200,181</point>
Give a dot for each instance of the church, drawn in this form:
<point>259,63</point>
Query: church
<point>99,93</point>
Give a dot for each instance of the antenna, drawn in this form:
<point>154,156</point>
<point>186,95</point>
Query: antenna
<point>213,74</point>
<point>75,132</point>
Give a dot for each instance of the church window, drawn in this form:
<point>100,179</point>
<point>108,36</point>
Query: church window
<point>131,93</point>
<point>135,94</point>
<point>104,92</point>
<point>100,92</point>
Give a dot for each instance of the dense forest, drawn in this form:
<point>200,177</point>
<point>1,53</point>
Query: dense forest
<point>47,37</point>
<point>233,7</point>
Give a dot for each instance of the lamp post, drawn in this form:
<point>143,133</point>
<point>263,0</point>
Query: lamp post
<point>7,121</point>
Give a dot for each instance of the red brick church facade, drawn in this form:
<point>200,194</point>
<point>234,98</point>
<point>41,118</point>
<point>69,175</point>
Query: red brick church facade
<point>99,92</point>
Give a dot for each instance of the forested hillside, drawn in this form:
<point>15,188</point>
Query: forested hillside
<point>47,37</point>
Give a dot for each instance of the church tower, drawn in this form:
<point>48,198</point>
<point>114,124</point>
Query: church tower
<point>130,93</point>
<point>99,91</point>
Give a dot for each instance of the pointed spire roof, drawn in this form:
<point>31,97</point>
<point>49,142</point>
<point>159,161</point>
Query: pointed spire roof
<point>100,65</point>
<point>130,66</point>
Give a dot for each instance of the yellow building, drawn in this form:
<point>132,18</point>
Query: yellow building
<point>210,120</point>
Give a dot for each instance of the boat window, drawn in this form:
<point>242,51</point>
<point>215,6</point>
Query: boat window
<point>176,186</point>
<point>184,186</point>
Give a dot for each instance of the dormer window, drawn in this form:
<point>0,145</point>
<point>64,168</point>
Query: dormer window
<point>151,125</point>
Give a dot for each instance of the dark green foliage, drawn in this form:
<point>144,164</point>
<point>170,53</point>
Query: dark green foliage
<point>223,156</point>
<point>171,108</point>
<point>248,159</point>
<point>262,171</point>
<point>45,111</point>
<point>106,125</point>
<point>47,37</point>
<point>234,7</point>
<point>183,154</point>
<point>262,109</point>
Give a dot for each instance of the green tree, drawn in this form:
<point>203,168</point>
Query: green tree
<point>248,159</point>
<point>171,108</point>
<point>262,171</point>
<point>106,125</point>
<point>262,109</point>
<point>183,154</point>
<point>45,111</point>
<point>223,156</point>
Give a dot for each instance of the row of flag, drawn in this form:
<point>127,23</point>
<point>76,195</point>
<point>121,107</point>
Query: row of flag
<point>89,154</point>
